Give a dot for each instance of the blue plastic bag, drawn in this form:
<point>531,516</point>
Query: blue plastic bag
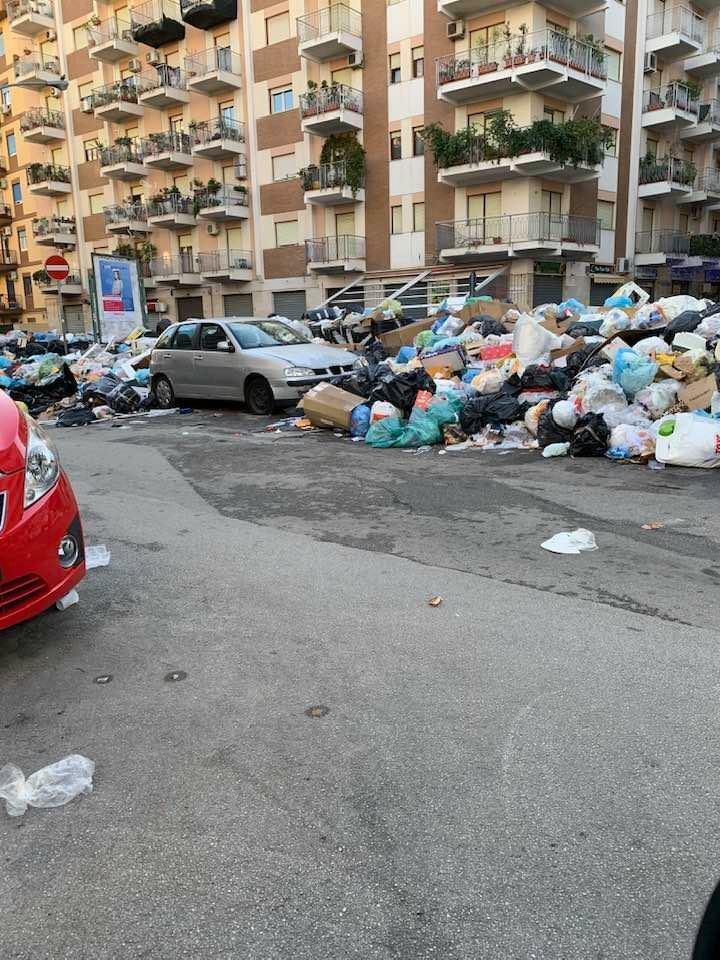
<point>619,302</point>
<point>5,363</point>
<point>573,305</point>
<point>143,377</point>
<point>633,371</point>
<point>405,354</point>
<point>360,420</point>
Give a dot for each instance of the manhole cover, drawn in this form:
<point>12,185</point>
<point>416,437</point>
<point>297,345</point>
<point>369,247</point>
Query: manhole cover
<point>175,676</point>
<point>103,678</point>
<point>318,711</point>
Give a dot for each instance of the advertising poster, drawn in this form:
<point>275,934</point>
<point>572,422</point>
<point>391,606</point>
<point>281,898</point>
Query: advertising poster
<point>120,306</point>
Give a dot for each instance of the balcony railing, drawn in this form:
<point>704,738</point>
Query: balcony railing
<point>108,30</point>
<point>519,50</point>
<point>708,180</point>
<point>5,210</point>
<point>157,22</point>
<point>8,257</point>
<point>326,176</point>
<point>173,266</point>
<point>122,212</point>
<point>329,249</point>
<point>47,172</point>
<point>709,112</point>
<point>337,96</point>
<point>680,20</point>
<point>339,18</point>
<point>173,141</point>
<point>26,66</point>
<point>71,280</point>
<point>215,58</point>
<point>217,261</point>
<point>37,117</point>
<point>220,128</point>
<point>164,76</point>
<point>226,197</point>
<point>518,228</point>
<point>666,170</point>
<point>18,8</point>
<point>124,91</point>
<point>172,203</point>
<point>674,96</point>
<point>535,138</point>
<point>47,226</point>
<point>121,153</point>
<point>669,242</point>
<point>10,305</point>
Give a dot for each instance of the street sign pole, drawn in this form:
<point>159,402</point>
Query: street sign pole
<point>61,314</point>
<point>57,268</point>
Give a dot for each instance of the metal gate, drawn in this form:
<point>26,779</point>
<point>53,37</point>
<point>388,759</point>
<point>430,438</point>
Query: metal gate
<point>190,308</point>
<point>547,288</point>
<point>74,318</point>
<point>238,305</point>
<point>289,303</point>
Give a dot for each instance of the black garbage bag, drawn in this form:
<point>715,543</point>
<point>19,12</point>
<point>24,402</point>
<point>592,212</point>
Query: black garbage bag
<point>590,436</point>
<point>581,330</point>
<point>548,431</point>
<point>56,346</point>
<point>583,359</point>
<point>124,399</point>
<point>491,408</point>
<point>711,310</point>
<point>684,322</point>
<point>375,352</point>
<point>489,327</point>
<point>32,349</point>
<point>540,377</point>
<point>98,391</point>
<point>75,417</point>
<point>39,398</point>
<point>361,382</point>
<point>402,388</point>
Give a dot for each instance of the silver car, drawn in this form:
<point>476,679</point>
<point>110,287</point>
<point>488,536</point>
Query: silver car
<point>260,361</point>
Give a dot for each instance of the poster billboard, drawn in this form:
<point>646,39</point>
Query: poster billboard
<point>120,304</point>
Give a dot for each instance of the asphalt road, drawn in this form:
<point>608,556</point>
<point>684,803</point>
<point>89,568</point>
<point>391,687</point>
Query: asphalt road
<point>529,770</point>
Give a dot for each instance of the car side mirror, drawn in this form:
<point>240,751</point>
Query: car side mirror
<point>225,346</point>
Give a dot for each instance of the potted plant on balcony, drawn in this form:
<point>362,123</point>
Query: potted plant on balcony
<point>310,100</point>
<point>125,250</point>
<point>213,187</point>
<point>310,177</point>
<point>688,173</point>
<point>520,51</point>
<point>36,172</point>
<point>41,278</point>
<point>507,35</point>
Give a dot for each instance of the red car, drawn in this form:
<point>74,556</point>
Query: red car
<point>42,553</point>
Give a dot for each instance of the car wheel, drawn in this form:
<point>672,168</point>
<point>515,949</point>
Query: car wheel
<point>164,393</point>
<point>259,396</point>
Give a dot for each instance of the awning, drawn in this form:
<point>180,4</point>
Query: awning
<point>615,278</point>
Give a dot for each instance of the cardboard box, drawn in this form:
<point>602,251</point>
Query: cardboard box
<point>447,360</point>
<point>329,406</point>
<point>404,336</point>
<point>697,396</point>
<point>566,351</point>
<point>672,372</point>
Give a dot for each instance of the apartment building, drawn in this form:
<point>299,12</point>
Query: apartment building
<point>263,156</point>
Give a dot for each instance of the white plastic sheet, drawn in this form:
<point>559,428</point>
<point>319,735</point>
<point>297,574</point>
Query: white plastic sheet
<point>51,786</point>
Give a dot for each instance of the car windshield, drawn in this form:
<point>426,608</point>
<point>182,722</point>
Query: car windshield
<point>264,333</point>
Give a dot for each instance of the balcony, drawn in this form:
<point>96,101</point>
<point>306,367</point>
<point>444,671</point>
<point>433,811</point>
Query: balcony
<point>666,177</point>
<point>343,254</point>
<point>329,33</point>
<point>123,160</point>
<point>329,110</point>
<point>34,74</point>
<point>537,62</point>
<point>111,41</point>
<point>127,218</point>
<point>167,151</point>
<point>218,139</point>
<point>10,308</point>
<point>55,231</point>
<point>465,9</point>
<point>30,17</point>
<point>8,260</point>
<point>6,214</point>
<point>178,271</point>
<point>48,180</point>
<point>214,71</point>
<point>706,190</point>
<point>705,64</point>
<point>71,286</point>
<point>172,211</point>
<point>658,247</point>
<point>669,108</point>
<point>223,205</point>
<point>117,102</point>
<point>535,153</point>
<point>706,129</point>
<point>42,126</point>
<point>327,185</point>
<point>204,14</point>
<point>519,235</point>
<point>674,33</point>
<point>231,265</point>
<point>166,87</point>
<point>156,23</point>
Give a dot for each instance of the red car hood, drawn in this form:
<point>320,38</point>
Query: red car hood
<point>13,436</point>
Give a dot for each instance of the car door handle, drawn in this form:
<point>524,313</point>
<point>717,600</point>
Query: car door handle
<point>198,356</point>
<point>167,356</point>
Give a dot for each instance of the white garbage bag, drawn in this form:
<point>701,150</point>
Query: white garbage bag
<point>531,341</point>
<point>51,786</point>
<point>688,440</point>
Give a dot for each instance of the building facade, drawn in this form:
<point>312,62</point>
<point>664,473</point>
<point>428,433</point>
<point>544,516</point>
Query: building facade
<point>262,157</point>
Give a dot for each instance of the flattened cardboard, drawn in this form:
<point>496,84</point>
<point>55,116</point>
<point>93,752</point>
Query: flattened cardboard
<point>404,336</point>
<point>697,396</point>
<point>566,351</point>
<point>447,360</point>
<point>672,372</point>
<point>329,406</point>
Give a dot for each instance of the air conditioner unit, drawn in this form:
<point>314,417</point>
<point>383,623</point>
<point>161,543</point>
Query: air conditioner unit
<point>355,59</point>
<point>161,307</point>
<point>650,64</point>
<point>455,30</point>
<point>7,231</point>
<point>51,35</point>
<point>622,264</point>
<point>86,104</point>
<point>213,229</point>
<point>6,109</point>
<point>12,275</point>
<point>134,65</point>
<point>153,58</point>
<point>3,183</point>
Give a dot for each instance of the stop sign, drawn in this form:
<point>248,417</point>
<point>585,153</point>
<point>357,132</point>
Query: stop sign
<point>57,267</point>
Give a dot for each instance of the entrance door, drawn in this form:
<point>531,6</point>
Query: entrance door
<point>485,221</point>
<point>190,308</point>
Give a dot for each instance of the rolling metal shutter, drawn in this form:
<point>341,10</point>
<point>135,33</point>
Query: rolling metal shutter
<point>190,308</point>
<point>238,305</point>
<point>74,318</point>
<point>289,303</point>
<point>547,288</point>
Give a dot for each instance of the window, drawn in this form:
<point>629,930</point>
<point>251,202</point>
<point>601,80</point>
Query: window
<point>22,238</point>
<point>552,202</point>
<point>17,192</point>
<point>418,142</point>
<point>606,214</point>
<point>396,219</point>
<point>80,37</point>
<point>611,147</point>
<point>684,223</point>
<point>556,27</point>
<point>284,166</point>
<point>11,146</point>
<point>185,336</point>
<point>553,115</point>
<point>612,59</point>
<point>418,62</point>
<point>344,224</point>
<point>277,28</point>
<point>281,100</point>
<point>286,233</point>
<point>227,112</point>
<point>211,334</point>
<point>91,149</point>
<point>418,217</point>
<point>5,95</point>
<point>486,206</point>
<point>648,216</point>
<point>488,35</point>
<point>342,76</point>
<point>97,201</point>
<point>2,44</point>
<point>395,146</point>
<point>651,147</point>
<point>27,285</point>
<point>394,68</point>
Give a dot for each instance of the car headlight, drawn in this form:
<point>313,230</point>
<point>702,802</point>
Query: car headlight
<point>42,465</point>
<point>293,372</point>
<point>360,363</point>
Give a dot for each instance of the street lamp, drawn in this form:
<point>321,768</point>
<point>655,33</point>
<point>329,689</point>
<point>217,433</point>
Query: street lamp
<point>59,86</point>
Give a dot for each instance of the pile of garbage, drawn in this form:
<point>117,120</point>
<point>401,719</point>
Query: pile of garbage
<point>89,382</point>
<point>631,380</point>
